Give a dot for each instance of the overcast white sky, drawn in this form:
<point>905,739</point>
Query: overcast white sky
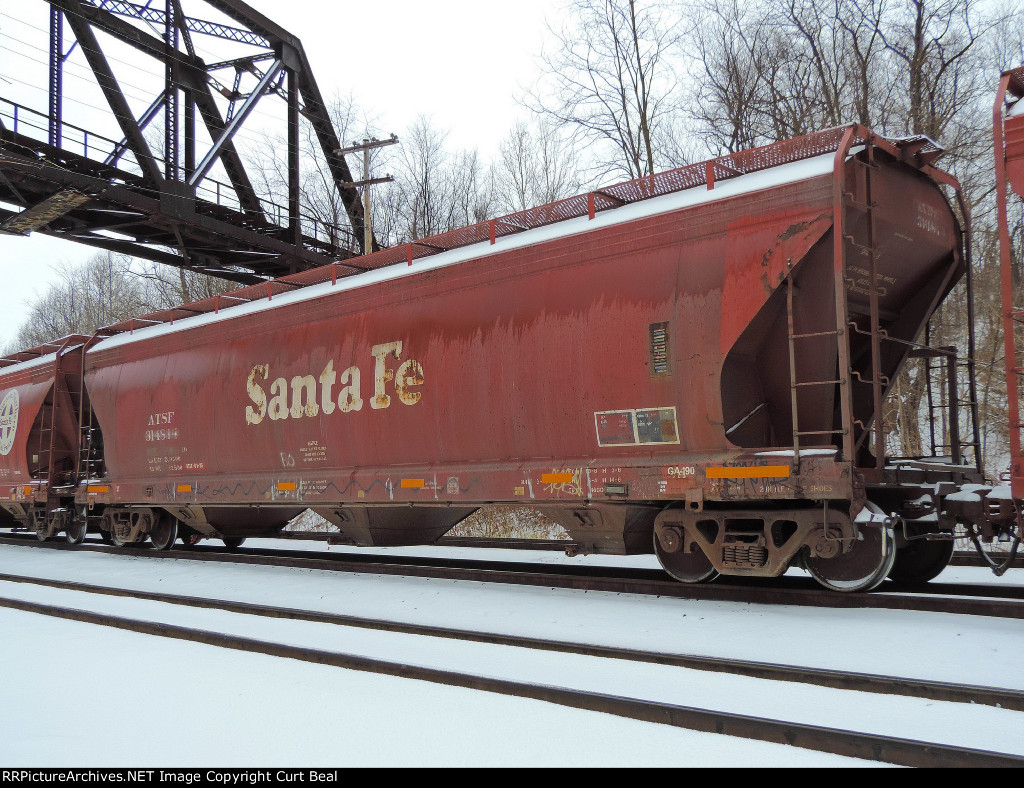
<point>458,61</point>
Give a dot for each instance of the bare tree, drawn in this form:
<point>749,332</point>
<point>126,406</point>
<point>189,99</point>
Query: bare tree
<point>84,298</point>
<point>437,190</point>
<point>324,214</point>
<point>535,166</point>
<point>936,48</point>
<point>167,287</point>
<point>474,191</point>
<point>423,181</point>
<point>609,76</point>
<point>732,54</point>
<point>108,289</point>
<point>900,67</point>
<point>777,71</point>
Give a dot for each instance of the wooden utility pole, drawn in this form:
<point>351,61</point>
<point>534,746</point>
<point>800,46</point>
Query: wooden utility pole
<point>366,146</point>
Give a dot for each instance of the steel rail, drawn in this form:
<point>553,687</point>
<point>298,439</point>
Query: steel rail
<point>852,744</point>
<point>834,679</point>
<point>968,558</point>
<point>626,573</point>
<point>960,558</point>
<point>623,581</point>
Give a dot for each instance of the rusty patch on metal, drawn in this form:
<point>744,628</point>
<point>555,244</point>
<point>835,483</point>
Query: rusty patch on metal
<point>795,229</point>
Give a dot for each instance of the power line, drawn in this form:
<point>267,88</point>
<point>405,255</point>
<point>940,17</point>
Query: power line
<point>107,111</point>
<point>207,189</point>
<point>177,83</point>
<point>163,58</point>
<point>163,79</point>
<point>172,56</point>
<point>149,94</point>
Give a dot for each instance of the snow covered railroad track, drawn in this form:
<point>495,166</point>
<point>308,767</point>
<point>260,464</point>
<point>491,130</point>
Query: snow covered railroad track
<point>882,748</point>
<point>862,682</point>
<point>310,703</point>
<point>960,557</point>
<point>995,600</point>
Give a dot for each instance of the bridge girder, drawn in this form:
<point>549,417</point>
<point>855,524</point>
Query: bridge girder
<point>163,205</point>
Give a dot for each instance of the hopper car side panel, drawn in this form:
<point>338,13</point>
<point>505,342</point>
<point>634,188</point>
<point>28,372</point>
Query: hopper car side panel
<point>39,435</point>
<point>696,373</point>
<point>527,375</point>
<point>22,394</point>
<point>1008,130</point>
<point>998,537</point>
<point>504,363</point>
<point>690,364</point>
<point>1013,131</point>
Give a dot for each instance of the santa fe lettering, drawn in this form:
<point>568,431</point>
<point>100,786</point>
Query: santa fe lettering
<point>306,395</point>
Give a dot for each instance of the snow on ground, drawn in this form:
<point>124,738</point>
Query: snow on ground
<point>140,701</point>
<point>210,715</point>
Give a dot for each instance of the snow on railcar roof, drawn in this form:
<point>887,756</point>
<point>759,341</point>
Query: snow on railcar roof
<point>38,361</point>
<point>38,355</point>
<point>760,180</point>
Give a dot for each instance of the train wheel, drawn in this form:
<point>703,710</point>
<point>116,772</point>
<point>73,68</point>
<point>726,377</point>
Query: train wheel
<point>863,568</point>
<point>233,542</point>
<point>921,560</point>
<point>692,567</point>
<point>164,533</point>
<point>75,532</point>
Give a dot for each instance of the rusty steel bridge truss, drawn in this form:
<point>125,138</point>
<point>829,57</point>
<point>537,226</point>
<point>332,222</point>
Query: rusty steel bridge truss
<point>165,205</point>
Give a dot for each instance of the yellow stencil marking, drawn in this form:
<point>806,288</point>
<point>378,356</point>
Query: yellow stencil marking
<point>416,483</point>
<point>286,485</point>
<point>555,478</point>
<point>99,489</point>
<point>184,488</point>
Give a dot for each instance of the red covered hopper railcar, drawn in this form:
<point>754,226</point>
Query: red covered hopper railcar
<point>690,364</point>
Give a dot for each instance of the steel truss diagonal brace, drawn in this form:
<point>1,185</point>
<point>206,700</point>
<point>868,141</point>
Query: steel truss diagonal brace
<point>232,162</point>
<point>115,98</point>
<point>168,195</point>
<point>144,120</point>
<point>233,124</point>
